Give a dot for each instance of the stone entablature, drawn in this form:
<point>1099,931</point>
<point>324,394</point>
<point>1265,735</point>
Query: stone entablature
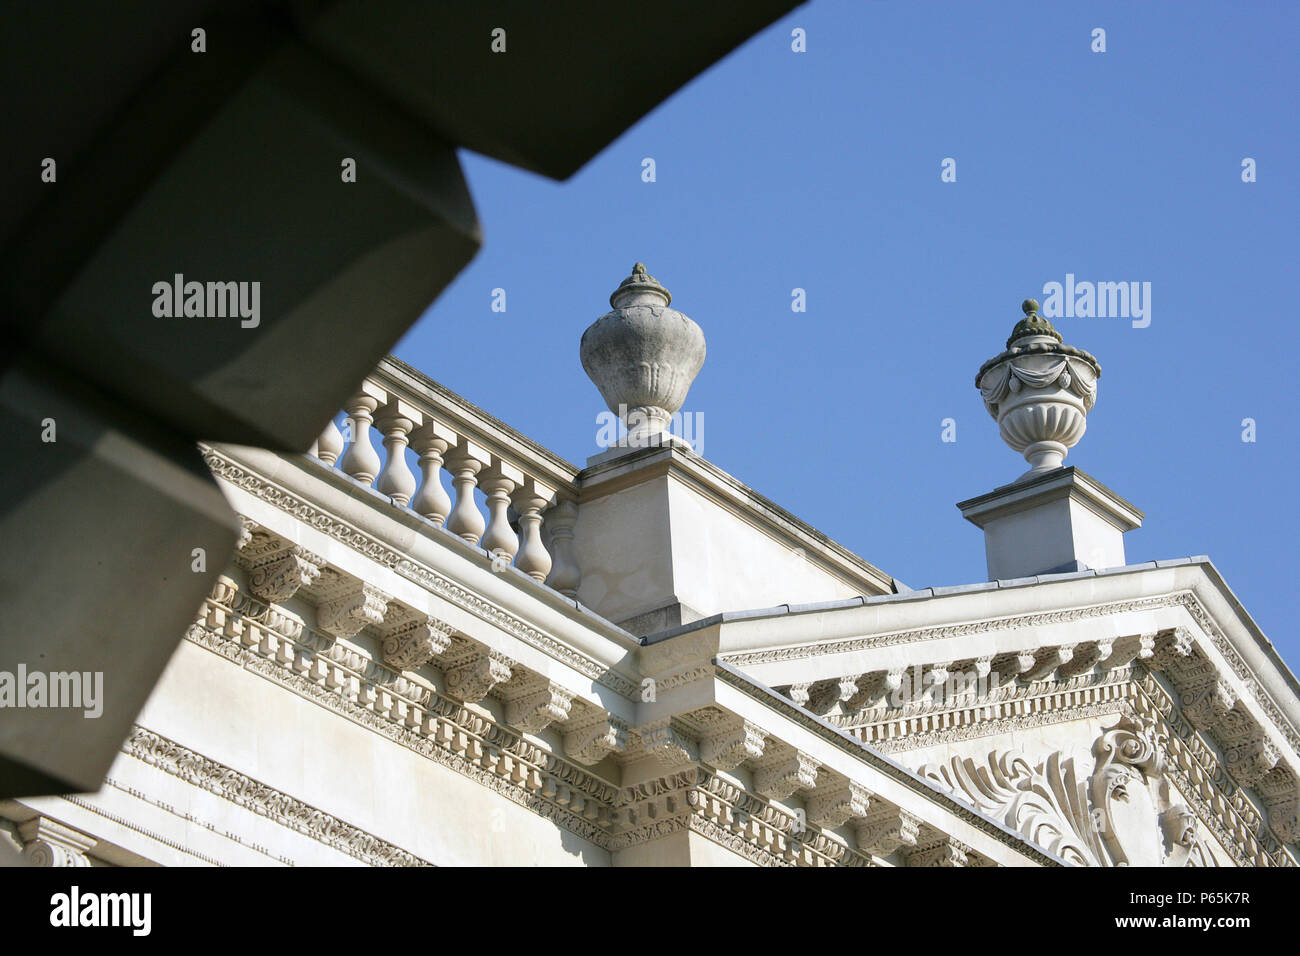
<point>419,711</point>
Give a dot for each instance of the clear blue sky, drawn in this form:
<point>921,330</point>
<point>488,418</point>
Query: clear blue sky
<point>821,170</point>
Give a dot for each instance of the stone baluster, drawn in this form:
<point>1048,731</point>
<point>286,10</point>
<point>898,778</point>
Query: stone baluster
<point>431,441</point>
<point>498,483</point>
<point>395,424</point>
<point>329,445</point>
<point>361,461</point>
<point>533,559</point>
<point>465,461</point>
<point>565,575</point>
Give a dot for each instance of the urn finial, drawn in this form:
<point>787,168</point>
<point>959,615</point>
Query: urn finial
<point>643,356</point>
<point>1040,391</point>
<point>640,288</point>
<point>1032,324</point>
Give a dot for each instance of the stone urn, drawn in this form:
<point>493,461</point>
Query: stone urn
<point>643,356</point>
<point>1040,392</point>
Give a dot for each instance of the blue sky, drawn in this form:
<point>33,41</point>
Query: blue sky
<point>821,170</point>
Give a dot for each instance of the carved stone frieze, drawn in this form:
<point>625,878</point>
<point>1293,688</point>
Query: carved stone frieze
<point>275,805</point>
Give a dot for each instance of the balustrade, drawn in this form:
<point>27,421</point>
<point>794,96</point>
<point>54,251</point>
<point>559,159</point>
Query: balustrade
<point>526,488</point>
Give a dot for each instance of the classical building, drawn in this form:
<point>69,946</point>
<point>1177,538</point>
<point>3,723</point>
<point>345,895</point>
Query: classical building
<point>644,662</point>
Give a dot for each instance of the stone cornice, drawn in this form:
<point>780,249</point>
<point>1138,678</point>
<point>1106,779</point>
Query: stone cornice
<point>1038,619</point>
<point>234,473</point>
<point>1184,599</point>
<point>337,676</point>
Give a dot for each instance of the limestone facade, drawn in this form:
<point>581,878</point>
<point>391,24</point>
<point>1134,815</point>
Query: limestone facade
<point>644,662</point>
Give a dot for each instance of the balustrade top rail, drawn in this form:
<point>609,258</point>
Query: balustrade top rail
<point>468,419</point>
<point>479,452</point>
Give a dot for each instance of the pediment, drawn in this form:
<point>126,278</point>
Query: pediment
<point>1007,705</point>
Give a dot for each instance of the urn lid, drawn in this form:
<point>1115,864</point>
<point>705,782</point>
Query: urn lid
<point>637,283</point>
<point>1035,335</point>
<point>1032,324</point>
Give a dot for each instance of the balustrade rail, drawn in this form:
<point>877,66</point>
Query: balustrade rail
<point>526,486</point>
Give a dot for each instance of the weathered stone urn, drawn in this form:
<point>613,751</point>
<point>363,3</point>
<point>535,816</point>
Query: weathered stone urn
<point>643,356</point>
<point>1040,392</point>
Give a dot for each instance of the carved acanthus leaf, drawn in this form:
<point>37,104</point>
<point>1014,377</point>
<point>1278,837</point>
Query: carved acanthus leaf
<point>346,614</point>
<point>886,828</point>
<point>541,704</point>
<point>779,776</point>
<point>595,737</point>
<point>730,746</point>
<point>833,805</point>
<point>472,677</point>
<point>415,642</point>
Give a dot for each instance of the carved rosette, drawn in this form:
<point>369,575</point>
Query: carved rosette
<point>1039,391</point>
